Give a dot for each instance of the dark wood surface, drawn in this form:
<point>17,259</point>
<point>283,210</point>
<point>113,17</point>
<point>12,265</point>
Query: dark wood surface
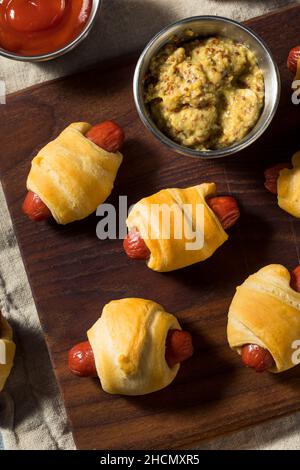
<point>73,274</point>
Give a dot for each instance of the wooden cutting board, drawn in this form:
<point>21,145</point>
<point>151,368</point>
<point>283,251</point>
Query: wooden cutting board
<point>73,274</point>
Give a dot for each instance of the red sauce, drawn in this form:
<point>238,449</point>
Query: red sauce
<point>34,27</point>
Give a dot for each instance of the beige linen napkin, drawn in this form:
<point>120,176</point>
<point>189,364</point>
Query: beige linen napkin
<point>32,415</point>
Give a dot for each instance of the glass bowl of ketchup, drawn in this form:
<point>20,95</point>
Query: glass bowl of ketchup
<point>39,30</point>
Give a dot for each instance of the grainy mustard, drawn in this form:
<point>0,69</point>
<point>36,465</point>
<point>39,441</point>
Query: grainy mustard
<point>205,94</point>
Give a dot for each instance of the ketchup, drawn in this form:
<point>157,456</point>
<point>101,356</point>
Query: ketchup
<point>35,27</point>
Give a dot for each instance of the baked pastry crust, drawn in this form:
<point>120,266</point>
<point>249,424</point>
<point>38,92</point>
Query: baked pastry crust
<point>129,342</point>
<point>266,311</point>
<point>7,351</point>
<point>72,175</point>
<point>170,254</point>
<point>288,186</point>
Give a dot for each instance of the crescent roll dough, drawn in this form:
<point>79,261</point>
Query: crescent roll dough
<point>266,311</point>
<point>129,343</point>
<point>72,175</point>
<point>288,186</point>
<point>7,351</point>
<point>168,251</point>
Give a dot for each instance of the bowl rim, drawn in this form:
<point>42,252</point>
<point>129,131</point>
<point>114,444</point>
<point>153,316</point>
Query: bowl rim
<point>209,154</point>
<point>58,52</point>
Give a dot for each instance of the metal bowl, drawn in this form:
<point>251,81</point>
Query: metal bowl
<point>59,52</point>
<point>205,26</point>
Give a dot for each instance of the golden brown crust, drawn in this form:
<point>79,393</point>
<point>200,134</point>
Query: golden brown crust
<point>170,254</point>
<point>7,351</point>
<point>266,311</point>
<point>288,186</point>
<point>128,342</point>
<point>72,175</point>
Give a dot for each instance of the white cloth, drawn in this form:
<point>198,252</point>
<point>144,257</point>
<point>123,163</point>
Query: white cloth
<point>31,412</point>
